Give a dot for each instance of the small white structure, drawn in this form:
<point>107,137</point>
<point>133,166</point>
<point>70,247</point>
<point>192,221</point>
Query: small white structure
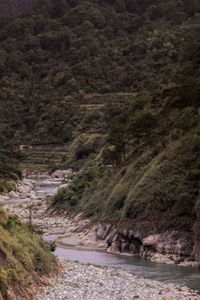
<point>25,147</point>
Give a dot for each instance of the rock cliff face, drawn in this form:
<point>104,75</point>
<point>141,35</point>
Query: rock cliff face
<point>143,240</point>
<point>168,247</point>
<point>10,7</point>
<point>171,247</point>
<point>196,229</point>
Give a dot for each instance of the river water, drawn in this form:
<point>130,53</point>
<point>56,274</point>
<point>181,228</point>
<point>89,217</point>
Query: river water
<point>140,267</point>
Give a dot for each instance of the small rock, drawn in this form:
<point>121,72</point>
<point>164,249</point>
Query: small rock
<point>13,195</point>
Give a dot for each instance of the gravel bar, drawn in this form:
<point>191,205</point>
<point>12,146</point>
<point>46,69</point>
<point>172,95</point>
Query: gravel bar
<point>89,282</point>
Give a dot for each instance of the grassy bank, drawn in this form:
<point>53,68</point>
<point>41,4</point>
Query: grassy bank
<point>24,259</point>
<point>117,82</point>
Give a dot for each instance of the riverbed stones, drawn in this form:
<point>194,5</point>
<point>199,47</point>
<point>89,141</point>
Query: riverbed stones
<point>4,199</point>
<point>70,241</point>
<point>24,189</point>
<point>173,246</point>
<point>93,283</point>
<point>88,282</point>
<point>13,195</point>
<point>187,263</point>
<point>61,174</point>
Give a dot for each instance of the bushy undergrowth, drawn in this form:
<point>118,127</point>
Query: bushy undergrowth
<point>24,257</point>
<point>9,165</point>
<point>156,180</point>
<point>118,81</point>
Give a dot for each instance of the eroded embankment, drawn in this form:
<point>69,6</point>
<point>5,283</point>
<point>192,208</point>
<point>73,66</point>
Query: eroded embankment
<point>25,260</point>
<point>81,281</point>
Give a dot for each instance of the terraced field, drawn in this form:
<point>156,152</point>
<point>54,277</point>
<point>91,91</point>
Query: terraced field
<point>43,157</point>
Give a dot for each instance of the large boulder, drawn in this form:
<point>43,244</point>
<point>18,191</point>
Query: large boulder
<point>115,247</point>
<point>175,242</point>
<point>196,251</point>
<point>57,174</point>
<point>142,230</point>
<point>187,263</point>
<point>161,258</point>
<point>23,189</point>
<point>4,198</point>
<point>103,230</point>
<point>151,240</point>
<point>111,235</point>
<point>61,174</point>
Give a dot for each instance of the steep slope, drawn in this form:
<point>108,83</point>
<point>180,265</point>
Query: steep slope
<point>118,81</point>
<point>51,59</point>
<point>9,164</point>
<point>24,259</point>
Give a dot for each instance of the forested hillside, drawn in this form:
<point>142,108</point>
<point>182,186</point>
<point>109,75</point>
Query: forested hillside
<point>63,53</point>
<point>119,82</point>
<point>9,164</point>
<point>13,7</point>
<point>24,259</point>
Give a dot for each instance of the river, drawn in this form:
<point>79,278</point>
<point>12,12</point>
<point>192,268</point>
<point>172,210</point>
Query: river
<point>140,267</point>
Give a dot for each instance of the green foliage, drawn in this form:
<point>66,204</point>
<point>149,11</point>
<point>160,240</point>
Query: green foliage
<point>3,58</point>
<point>9,168</point>
<point>70,50</point>
<point>118,81</point>
<point>155,176</point>
<point>12,222</point>
<point>24,257</point>
<point>70,198</point>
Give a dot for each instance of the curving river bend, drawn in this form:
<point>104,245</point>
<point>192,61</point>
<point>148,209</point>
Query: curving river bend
<point>140,267</point>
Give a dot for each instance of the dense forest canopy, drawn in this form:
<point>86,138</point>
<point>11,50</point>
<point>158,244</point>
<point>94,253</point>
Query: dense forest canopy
<point>13,7</point>
<point>51,59</point>
<point>119,81</point>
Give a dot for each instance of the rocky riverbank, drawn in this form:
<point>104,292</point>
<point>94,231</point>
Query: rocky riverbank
<point>171,247</point>
<point>88,282</point>
<point>79,281</point>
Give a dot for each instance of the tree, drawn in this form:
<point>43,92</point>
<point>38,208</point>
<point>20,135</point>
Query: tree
<point>141,127</point>
<point>119,137</point>
<point>54,40</point>
<point>3,58</point>
<point>58,8</point>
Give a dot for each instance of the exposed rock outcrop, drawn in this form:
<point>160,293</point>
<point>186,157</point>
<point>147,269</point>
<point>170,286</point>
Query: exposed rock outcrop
<point>172,247</point>
<point>161,258</point>
<point>61,174</point>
